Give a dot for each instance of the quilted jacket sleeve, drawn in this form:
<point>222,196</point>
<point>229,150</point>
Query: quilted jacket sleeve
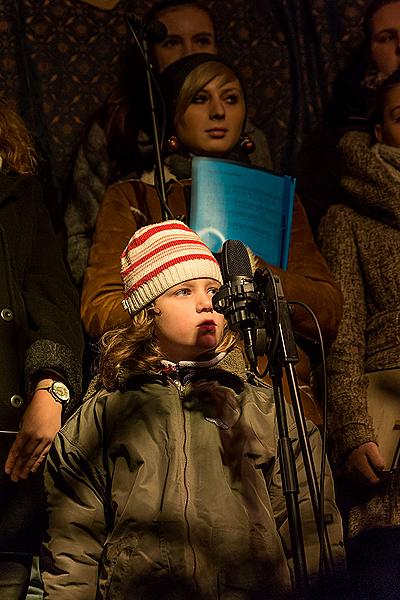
<point>75,487</point>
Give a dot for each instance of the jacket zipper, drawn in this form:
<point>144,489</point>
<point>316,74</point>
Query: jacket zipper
<point>180,388</point>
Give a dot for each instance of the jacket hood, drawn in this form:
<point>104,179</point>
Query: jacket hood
<point>370,174</point>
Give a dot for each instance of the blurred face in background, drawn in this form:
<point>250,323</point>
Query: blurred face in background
<point>190,30</point>
<point>385,38</point>
<point>388,132</point>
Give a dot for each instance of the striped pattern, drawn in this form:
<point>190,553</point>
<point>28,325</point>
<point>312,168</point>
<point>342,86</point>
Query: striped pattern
<point>160,256</point>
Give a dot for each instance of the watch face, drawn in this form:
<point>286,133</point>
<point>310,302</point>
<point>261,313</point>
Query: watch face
<point>61,391</point>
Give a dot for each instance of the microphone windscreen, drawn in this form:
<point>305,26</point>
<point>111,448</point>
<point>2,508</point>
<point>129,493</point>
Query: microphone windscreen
<point>235,260</point>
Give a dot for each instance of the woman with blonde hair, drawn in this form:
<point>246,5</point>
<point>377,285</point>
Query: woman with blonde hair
<point>206,112</point>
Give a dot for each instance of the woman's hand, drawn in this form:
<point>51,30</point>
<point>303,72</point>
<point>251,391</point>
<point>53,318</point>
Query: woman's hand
<point>363,463</point>
<point>39,426</point>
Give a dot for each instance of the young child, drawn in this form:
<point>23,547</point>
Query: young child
<point>166,483</point>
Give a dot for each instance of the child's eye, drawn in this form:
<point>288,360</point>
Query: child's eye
<point>182,292</point>
<point>213,290</point>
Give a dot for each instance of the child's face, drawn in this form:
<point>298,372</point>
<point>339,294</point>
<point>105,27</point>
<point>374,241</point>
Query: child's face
<point>187,325</point>
<point>389,131</point>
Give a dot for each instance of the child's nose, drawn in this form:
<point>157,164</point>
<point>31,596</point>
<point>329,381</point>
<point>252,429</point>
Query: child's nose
<point>204,303</point>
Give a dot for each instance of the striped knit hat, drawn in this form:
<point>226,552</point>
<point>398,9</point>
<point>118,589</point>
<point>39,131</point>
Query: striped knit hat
<point>160,256</point>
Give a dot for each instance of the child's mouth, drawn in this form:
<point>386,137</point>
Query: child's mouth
<point>207,326</point>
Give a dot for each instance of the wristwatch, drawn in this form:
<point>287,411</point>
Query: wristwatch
<point>59,391</point>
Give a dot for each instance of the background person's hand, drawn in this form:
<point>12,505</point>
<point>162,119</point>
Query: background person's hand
<point>363,463</point>
<point>39,426</point>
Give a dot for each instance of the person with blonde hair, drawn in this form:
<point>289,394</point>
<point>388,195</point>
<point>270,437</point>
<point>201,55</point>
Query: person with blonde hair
<point>41,344</point>
<point>165,483</point>
<point>118,143</point>
<point>206,113</point>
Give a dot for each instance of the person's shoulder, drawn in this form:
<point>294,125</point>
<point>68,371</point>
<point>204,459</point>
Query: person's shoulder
<point>336,224</point>
<point>355,140</point>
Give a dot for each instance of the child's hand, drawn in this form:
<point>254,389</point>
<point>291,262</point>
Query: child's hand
<point>39,425</point>
<point>363,463</point>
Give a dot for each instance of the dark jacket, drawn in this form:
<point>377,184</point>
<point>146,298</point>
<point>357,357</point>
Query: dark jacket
<point>169,487</point>
<point>39,330</point>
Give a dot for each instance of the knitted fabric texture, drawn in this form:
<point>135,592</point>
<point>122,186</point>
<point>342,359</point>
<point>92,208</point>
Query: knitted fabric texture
<point>160,256</point>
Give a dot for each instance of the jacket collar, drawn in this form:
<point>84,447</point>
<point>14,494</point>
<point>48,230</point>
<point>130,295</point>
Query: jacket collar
<point>231,362</point>
<point>9,184</point>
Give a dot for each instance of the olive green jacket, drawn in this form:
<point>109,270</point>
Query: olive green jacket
<point>172,483</point>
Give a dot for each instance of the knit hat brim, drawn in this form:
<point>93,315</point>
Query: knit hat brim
<point>161,256</point>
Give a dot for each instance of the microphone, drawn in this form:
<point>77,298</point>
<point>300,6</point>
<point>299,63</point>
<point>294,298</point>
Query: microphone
<point>154,31</point>
<point>238,299</point>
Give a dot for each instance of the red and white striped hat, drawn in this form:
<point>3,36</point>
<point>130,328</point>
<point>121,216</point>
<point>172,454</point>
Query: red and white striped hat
<point>160,256</point>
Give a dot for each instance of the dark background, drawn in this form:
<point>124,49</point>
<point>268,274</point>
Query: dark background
<point>58,61</point>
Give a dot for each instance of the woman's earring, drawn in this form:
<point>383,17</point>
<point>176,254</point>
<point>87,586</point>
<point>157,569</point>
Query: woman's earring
<point>173,144</point>
<point>247,144</point>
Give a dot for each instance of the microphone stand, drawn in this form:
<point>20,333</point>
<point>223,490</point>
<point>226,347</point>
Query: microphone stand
<point>284,355</point>
<point>159,178</point>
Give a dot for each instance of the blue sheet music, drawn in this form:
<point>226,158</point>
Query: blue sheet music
<point>234,201</point>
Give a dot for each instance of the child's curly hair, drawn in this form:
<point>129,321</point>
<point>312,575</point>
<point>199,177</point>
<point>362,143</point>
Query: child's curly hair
<point>17,149</point>
<point>133,347</point>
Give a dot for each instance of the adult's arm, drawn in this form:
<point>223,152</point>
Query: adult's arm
<point>102,293</point>
<point>90,180</point>
<point>52,307</point>
<point>53,339</point>
<point>349,424</point>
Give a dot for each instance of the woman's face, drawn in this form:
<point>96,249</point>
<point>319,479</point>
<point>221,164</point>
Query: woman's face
<point>213,121</point>
<point>190,30</point>
<point>385,38</point>
<point>389,131</point>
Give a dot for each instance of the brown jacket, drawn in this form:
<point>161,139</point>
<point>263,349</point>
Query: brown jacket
<point>132,204</point>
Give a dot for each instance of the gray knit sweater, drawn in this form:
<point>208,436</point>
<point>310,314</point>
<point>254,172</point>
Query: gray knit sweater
<point>361,243</point>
